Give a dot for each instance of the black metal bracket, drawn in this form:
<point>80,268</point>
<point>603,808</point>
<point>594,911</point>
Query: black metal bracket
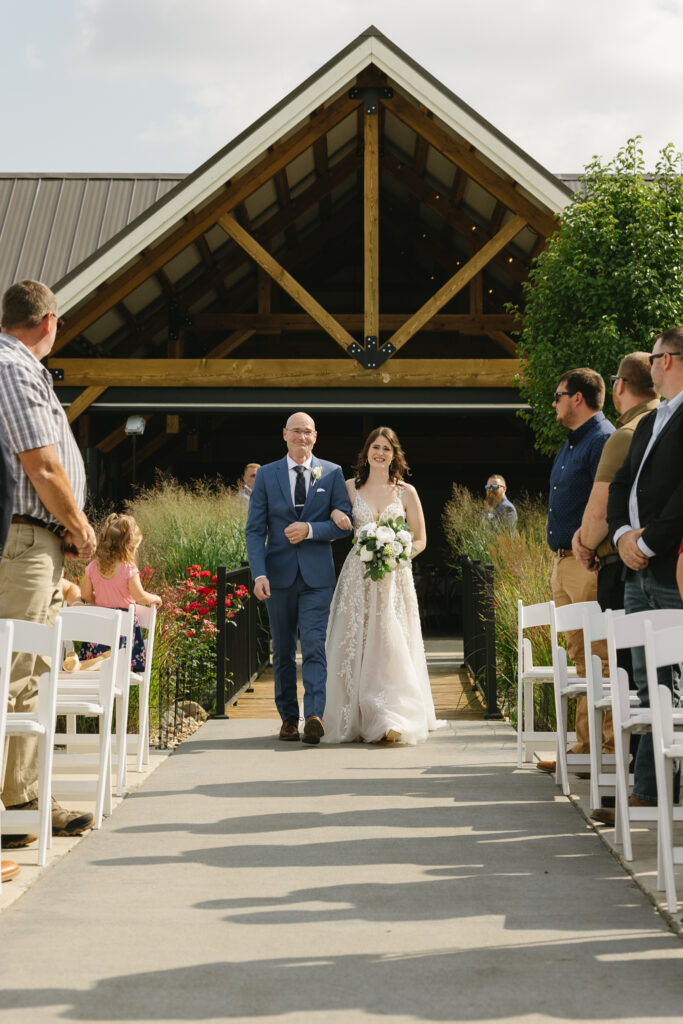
<point>372,356</point>
<point>56,374</point>
<point>372,95</point>
<point>177,319</point>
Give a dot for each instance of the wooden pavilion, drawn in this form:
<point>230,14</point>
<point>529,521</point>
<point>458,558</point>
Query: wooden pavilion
<point>351,253</point>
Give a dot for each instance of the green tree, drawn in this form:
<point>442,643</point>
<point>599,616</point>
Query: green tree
<point>609,279</point>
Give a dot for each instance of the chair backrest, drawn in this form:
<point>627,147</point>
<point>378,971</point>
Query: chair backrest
<point>6,635</point>
<point>147,620</point>
<point>663,647</point>
<point>629,630</point>
<point>571,616</point>
<point>594,627</point>
<point>127,627</point>
<point>529,616</point>
<point>45,641</point>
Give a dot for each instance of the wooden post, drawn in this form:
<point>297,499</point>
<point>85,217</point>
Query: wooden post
<point>371,224</point>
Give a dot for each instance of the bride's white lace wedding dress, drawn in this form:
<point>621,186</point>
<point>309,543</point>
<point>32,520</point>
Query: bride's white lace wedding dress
<point>377,677</point>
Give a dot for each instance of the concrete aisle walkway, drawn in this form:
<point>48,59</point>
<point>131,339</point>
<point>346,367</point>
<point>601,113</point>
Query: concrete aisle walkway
<point>252,880</point>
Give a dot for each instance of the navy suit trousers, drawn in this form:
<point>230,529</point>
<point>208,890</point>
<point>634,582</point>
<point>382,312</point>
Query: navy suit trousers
<point>299,610</point>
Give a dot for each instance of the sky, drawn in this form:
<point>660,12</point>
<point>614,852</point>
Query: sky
<point>160,85</point>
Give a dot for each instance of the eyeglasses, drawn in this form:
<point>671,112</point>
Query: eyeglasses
<point>492,487</point>
<point>658,355</point>
<point>58,320</point>
<point>300,433</point>
<point>614,377</point>
<point>558,394</point>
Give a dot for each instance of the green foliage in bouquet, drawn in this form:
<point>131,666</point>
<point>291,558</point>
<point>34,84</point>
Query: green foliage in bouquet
<point>383,546</point>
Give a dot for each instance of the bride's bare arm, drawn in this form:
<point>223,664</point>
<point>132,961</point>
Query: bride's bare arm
<point>339,518</point>
<point>415,517</point>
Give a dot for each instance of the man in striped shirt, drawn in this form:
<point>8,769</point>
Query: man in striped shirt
<point>47,519</point>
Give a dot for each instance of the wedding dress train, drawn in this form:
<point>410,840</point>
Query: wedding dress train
<point>377,679</point>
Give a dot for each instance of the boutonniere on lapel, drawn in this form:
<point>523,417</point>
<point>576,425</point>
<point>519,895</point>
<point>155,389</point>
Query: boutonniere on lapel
<point>316,473</point>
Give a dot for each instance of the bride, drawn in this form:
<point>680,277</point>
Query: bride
<point>377,681</point>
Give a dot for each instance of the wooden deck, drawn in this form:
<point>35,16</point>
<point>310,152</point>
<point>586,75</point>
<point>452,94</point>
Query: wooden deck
<point>454,697</point>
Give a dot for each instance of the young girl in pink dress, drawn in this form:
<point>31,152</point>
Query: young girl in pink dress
<point>112,580</point>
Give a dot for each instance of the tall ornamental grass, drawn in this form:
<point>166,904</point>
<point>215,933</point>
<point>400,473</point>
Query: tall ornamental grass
<point>184,525</point>
<point>523,564</point>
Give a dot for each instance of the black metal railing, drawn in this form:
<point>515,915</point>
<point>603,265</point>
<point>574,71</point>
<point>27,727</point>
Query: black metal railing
<point>182,694</point>
<point>479,629</point>
<point>242,642</point>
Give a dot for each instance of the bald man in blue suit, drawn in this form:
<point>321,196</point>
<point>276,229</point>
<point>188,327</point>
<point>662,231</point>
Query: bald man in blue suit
<point>289,542</point>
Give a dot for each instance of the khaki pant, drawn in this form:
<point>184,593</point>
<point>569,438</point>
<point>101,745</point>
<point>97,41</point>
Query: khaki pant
<point>570,583</point>
<point>30,571</point>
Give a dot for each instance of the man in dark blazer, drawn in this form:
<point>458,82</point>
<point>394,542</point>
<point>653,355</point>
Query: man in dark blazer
<point>289,534</point>
<point>645,517</point>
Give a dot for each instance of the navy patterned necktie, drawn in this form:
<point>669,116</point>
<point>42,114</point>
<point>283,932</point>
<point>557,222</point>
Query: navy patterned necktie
<point>299,490</point>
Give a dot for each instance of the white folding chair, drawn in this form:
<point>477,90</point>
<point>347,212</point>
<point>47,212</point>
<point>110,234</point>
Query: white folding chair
<point>529,676</point>
<point>121,694</point>
<point>599,696</point>
<point>566,618</point>
<point>6,637</point>
<point>628,718</point>
<point>664,647</point>
<point>43,641</point>
<point>89,694</point>
<point>147,620</point>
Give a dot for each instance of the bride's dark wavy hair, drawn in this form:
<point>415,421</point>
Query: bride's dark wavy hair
<point>398,467</point>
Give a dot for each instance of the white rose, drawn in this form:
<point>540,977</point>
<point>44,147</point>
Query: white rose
<point>368,531</point>
<point>365,555</point>
<point>404,537</point>
<point>385,534</point>
<point>397,547</point>
<point>391,564</point>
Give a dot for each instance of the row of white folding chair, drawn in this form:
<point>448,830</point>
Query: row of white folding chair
<point>662,648</point>
<point>6,637</point>
<point>628,631</point>
<point>530,675</point>
<point>92,695</point>
<point>44,641</point>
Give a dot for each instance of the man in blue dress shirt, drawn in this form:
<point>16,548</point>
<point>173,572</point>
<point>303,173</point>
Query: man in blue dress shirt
<point>578,403</point>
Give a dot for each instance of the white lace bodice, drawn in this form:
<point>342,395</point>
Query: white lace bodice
<point>363,514</point>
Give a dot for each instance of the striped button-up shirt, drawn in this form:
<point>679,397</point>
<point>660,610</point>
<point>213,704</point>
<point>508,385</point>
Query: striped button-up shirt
<point>33,418</point>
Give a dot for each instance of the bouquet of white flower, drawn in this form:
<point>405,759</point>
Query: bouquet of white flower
<point>383,546</point>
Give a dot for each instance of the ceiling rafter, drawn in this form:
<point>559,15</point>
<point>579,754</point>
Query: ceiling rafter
<point>445,209</point>
<point>460,154</point>
<point>198,221</point>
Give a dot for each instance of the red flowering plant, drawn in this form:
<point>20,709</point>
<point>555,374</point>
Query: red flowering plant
<point>188,620</point>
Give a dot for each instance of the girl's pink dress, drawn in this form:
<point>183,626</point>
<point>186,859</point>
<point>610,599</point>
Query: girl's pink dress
<point>115,593</point>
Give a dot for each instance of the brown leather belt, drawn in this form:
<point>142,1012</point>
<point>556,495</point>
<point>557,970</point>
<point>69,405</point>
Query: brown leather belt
<point>32,521</point>
<point>564,553</point>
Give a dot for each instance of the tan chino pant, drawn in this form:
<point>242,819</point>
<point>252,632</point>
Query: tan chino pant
<point>570,583</point>
<point>30,573</point>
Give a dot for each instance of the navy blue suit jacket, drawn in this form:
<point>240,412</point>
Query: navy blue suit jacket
<point>271,510</point>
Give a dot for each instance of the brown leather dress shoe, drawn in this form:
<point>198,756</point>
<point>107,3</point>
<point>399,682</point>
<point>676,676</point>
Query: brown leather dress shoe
<point>289,730</point>
<point>10,870</point>
<point>606,815</point>
<point>313,729</point>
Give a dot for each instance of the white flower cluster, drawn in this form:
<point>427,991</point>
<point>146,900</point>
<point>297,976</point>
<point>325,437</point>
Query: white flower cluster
<point>384,545</point>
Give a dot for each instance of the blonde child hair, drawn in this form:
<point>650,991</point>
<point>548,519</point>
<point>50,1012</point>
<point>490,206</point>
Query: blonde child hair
<point>118,542</point>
